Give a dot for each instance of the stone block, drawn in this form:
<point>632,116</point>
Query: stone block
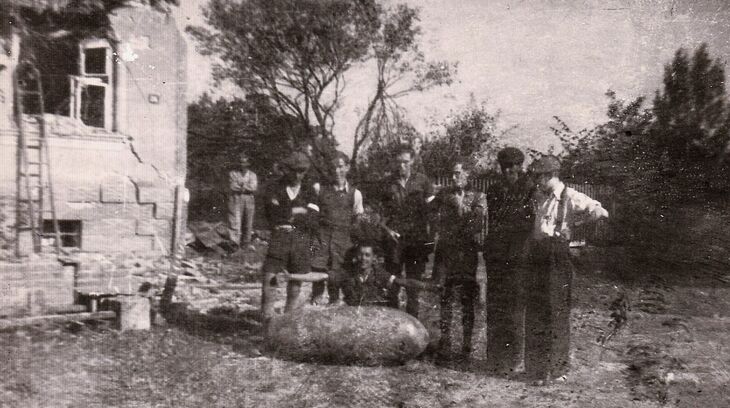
<point>160,228</point>
<point>108,226</point>
<point>114,210</point>
<point>164,210</point>
<point>119,243</point>
<point>155,194</point>
<point>118,191</point>
<point>133,312</point>
<point>83,194</point>
<point>34,287</point>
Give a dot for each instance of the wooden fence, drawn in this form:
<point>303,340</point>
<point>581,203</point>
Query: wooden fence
<point>596,233</point>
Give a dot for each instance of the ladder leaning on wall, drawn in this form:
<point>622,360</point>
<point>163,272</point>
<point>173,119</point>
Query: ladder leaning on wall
<point>33,181</point>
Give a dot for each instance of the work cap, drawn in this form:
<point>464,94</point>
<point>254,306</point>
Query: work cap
<point>510,155</point>
<point>297,161</point>
<point>545,164</point>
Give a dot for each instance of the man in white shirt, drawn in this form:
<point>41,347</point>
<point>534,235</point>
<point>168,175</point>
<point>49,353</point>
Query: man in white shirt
<point>549,271</point>
<point>243,184</point>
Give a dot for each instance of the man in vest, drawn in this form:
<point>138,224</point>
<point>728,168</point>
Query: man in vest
<point>292,211</point>
<point>549,271</point>
<point>406,202</point>
<point>243,184</point>
<point>462,227</point>
<point>510,223</point>
<point>340,205</point>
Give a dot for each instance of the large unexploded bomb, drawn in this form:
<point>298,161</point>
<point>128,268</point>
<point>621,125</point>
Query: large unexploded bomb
<point>368,335</point>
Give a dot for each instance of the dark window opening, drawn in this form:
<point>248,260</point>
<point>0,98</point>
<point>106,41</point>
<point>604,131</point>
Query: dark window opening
<point>70,231</point>
<point>92,105</point>
<point>95,61</point>
<point>56,60</point>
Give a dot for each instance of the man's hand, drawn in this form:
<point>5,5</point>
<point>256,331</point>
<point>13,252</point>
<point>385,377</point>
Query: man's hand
<point>478,238</point>
<point>299,210</point>
<point>393,235</point>
<point>602,213</point>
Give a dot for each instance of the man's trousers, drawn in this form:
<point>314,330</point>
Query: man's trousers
<point>549,280</point>
<point>505,305</point>
<point>241,208</point>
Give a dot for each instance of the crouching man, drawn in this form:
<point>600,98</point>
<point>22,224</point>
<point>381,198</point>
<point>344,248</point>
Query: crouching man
<point>366,283</point>
<point>549,271</point>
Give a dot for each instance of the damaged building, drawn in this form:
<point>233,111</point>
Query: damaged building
<point>110,108</point>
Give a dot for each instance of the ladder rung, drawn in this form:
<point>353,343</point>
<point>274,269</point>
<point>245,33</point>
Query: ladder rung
<point>32,146</point>
<point>29,92</point>
<point>30,174</point>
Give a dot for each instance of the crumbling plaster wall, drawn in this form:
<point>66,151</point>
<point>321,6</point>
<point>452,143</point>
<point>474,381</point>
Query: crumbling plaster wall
<point>120,185</point>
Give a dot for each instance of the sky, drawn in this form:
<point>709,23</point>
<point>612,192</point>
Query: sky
<point>529,60</point>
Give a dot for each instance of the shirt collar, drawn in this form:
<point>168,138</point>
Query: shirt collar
<point>345,189</point>
<point>558,190</point>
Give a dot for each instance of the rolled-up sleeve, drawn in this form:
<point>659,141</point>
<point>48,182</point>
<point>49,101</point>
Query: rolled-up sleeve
<point>581,203</point>
<point>357,206</point>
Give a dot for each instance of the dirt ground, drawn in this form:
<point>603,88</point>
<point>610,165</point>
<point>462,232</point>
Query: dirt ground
<point>674,351</point>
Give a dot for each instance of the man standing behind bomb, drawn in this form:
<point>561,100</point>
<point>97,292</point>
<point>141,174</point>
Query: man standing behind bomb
<point>462,227</point>
<point>293,215</point>
<point>406,222</point>
<point>243,184</point>
<point>549,271</point>
<point>510,223</point>
<point>340,204</point>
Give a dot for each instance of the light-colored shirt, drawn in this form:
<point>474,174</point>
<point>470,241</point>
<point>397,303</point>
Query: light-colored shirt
<point>243,181</point>
<point>579,207</point>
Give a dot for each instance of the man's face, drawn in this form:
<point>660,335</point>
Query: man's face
<point>365,257</point>
<point>341,169</point>
<point>543,181</point>
<point>511,171</point>
<point>459,175</point>
<point>417,145</point>
<point>295,176</point>
<point>404,161</point>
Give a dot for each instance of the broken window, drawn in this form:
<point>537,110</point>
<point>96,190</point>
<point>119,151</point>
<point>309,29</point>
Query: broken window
<point>90,91</point>
<point>70,231</point>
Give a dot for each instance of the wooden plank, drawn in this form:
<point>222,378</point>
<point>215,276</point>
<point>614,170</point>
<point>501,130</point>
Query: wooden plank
<point>56,318</point>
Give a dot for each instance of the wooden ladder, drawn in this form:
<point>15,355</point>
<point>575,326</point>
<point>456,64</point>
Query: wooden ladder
<point>33,179</point>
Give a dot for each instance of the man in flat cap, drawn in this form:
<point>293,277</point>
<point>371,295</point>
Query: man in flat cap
<point>243,184</point>
<point>549,271</point>
<point>292,211</point>
<point>510,222</point>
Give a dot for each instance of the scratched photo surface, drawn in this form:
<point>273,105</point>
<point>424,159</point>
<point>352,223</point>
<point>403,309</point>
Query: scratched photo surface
<point>364,203</point>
